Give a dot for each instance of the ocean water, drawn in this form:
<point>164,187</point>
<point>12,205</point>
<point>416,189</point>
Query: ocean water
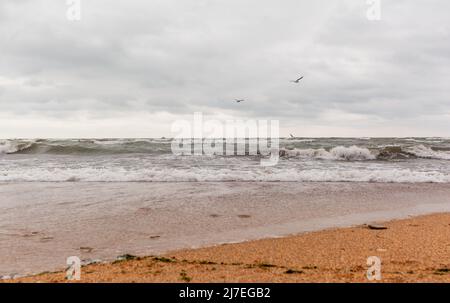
<point>410,160</point>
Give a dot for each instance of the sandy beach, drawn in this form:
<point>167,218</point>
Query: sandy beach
<point>411,250</point>
<point>42,224</point>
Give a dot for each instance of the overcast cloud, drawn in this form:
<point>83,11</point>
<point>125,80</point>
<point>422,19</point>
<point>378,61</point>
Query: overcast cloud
<point>130,68</point>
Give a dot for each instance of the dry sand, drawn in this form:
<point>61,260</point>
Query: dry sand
<point>411,250</point>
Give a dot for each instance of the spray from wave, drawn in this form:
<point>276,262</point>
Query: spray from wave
<point>151,160</point>
<point>352,153</point>
<point>11,146</point>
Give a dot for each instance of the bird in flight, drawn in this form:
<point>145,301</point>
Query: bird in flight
<point>240,100</point>
<point>291,136</point>
<point>298,80</point>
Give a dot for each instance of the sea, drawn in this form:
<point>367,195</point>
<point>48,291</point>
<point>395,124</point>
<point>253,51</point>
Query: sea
<point>404,160</point>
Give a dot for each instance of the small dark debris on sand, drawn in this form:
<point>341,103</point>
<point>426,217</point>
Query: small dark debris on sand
<point>293,271</point>
<point>184,277</point>
<point>164,259</point>
<point>376,227</point>
<point>244,216</point>
<point>86,249</point>
<point>265,265</point>
<point>46,239</point>
<point>126,257</point>
<point>31,234</point>
<point>443,270</point>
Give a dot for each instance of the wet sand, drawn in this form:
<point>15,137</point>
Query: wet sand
<point>411,250</point>
<point>42,224</point>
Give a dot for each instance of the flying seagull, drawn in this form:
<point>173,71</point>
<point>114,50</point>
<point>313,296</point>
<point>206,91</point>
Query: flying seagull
<point>298,80</point>
<point>291,136</point>
<point>240,100</point>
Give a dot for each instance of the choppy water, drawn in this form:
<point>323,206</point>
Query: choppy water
<point>152,160</point>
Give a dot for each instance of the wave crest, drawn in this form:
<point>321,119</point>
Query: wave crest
<point>355,153</point>
<point>84,146</point>
<point>422,151</point>
<point>11,147</point>
<point>352,153</point>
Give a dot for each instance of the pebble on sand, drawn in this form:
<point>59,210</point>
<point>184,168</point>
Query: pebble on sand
<point>376,227</point>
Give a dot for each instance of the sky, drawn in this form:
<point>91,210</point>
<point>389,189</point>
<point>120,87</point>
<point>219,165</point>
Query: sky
<point>131,68</point>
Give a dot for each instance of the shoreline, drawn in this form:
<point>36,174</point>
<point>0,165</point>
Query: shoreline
<point>412,250</point>
<point>45,223</point>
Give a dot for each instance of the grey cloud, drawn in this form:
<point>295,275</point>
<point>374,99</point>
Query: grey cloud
<point>182,56</point>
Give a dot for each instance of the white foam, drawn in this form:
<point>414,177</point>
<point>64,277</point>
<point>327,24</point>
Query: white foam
<point>352,153</point>
<point>309,153</point>
<point>422,151</point>
<point>89,174</point>
<point>6,147</point>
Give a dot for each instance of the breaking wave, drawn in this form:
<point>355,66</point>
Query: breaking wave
<point>352,153</point>
<point>84,146</point>
<point>422,151</point>
<point>151,160</point>
<point>355,153</point>
<point>163,146</point>
<point>11,147</point>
